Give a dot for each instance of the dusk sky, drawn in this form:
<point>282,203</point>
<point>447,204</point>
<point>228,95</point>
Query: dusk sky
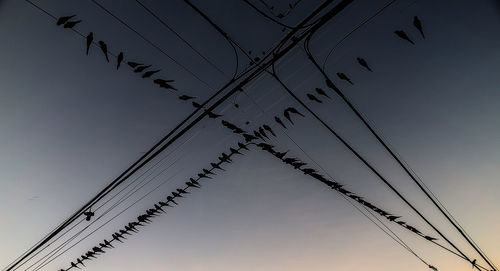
<point>71,123</point>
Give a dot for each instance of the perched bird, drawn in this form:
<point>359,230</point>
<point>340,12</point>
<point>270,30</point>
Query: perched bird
<point>331,85</point>
<point>287,116</point>
<point>190,184</point>
<point>249,138</point>
<point>133,65</point>
<point>235,151</point>
<point>262,132</point>
<point>159,208</point>
<point>403,35</point>
<point>119,60</point>
<point>177,195</point>
<point>149,73</point>
<point>194,181</point>
<point>297,165</point>
<point>308,170</point>
<point>280,155</point>
<point>433,268</point>
<point>71,24</point>
<point>473,263</point>
<point>321,92</point>
<point>141,68</point>
<point>165,83</point>
<point>363,63</point>
<point>212,115</point>
<point>85,258</point>
<point>313,98</point>
<point>418,24</point>
<point>106,242</point>
<point>294,111</point>
<point>63,19</point>
<point>185,97</point>
<point>162,203</point>
<point>238,131</point>
<point>182,191</point>
<point>225,158</point>
<point>344,77</point>
<point>290,160</point>
<point>195,104</point>
<point>278,120</point>
<point>104,49</point>
<point>430,238</point>
<point>269,129</point>
<point>74,265</point>
<point>171,199</point>
<point>98,249</point>
<point>393,217</point>
<point>90,39</point>
<point>201,175</point>
<point>257,134</point>
<point>242,146</point>
<point>89,215</point>
<point>207,172</point>
<point>214,165</point>
<point>116,238</point>
<point>125,232</point>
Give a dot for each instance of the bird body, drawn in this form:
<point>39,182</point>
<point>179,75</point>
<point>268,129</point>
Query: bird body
<point>418,24</point>
<point>313,98</point>
<point>119,60</point>
<point>185,97</point>
<point>104,49</point>
<point>344,77</point>
<point>90,39</point>
<point>287,116</point>
<point>242,146</point>
<point>278,120</point>
<point>63,19</point>
<point>321,92</point>
<point>141,68</point>
<point>401,34</point>
<point>269,129</point>
<point>134,64</point>
<point>71,24</point>
<point>363,63</point>
<point>149,73</point>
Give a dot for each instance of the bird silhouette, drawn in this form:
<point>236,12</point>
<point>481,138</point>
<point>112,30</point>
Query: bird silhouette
<point>162,203</point>
<point>159,208</point>
<point>185,97</point>
<point>290,160</point>
<point>344,77</point>
<point>308,170</point>
<point>195,104</point>
<point>234,151</point>
<point>280,155</point>
<point>149,73</point>
<point>225,158</point>
<point>108,243</point>
<point>430,238</point>
<point>212,115</point>
<point>214,165</point>
<point>182,191</point>
<point>85,258</point>
<point>117,238</point>
<point>363,63</point>
<point>90,254</point>
<point>171,199</point>
<point>238,131</point>
<point>194,181</point>
<point>287,116</point>
<point>133,65</point>
<point>141,68</point>
<point>63,19</point>
<point>90,39</point>
<point>98,250</point>
<point>119,60</point>
<point>249,138</point>
<point>89,215</point>
<point>104,49</point>
<point>294,111</point>
<point>165,83</point>
<point>125,232</point>
<point>433,268</point>
<point>313,98</point>
<point>401,34</point>
<point>262,132</point>
<point>207,172</point>
<point>71,24</point>
<point>402,223</point>
<point>418,24</point>
<point>177,195</point>
<point>321,92</point>
<point>278,120</point>
<point>201,175</point>
<point>297,165</point>
<point>269,129</point>
<point>242,146</point>
<point>190,184</point>
<point>473,263</point>
<point>257,134</point>
<point>74,265</point>
<point>393,217</point>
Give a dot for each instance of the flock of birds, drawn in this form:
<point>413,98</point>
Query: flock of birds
<point>159,208</point>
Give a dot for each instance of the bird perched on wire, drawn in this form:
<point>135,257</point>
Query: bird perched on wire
<point>344,77</point>
<point>242,146</point>
<point>363,63</point>
<point>63,19</point>
<point>141,68</point>
<point>418,24</point>
<point>262,132</point>
<point>278,120</point>
<point>267,128</point>
<point>133,65</point>
<point>149,73</point>
<point>119,60</point>
<point>313,98</point>
<point>401,34</point>
<point>321,92</point>
<point>90,39</point>
<point>433,268</point>
<point>104,49</point>
<point>294,111</point>
<point>212,115</point>
<point>71,24</point>
<point>185,97</point>
<point>165,84</point>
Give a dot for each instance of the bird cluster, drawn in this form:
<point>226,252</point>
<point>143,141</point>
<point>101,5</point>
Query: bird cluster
<point>287,114</point>
<point>144,70</point>
<point>417,24</point>
<point>146,218</point>
<point>300,165</point>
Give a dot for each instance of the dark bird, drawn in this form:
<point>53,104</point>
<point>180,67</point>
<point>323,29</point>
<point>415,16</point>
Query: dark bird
<point>90,254</point>
<point>119,60</point>
<point>89,215</point>
<point>98,249</point>
<point>402,223</point>
<point>297,165</point>
<point>308,170</point>
<point>162,203</point>
<point>294,111</point>
<point>207,172</point>
<point>190,184</point>
<point>433,268</point>
<point>473,263</point>
<point>165,84</point>
<point>104,49</point>
<point>194,181</point>
<point>418,24</point>
<point>64,19</point>
<point>85,258</point>
<point>321,92</point>
<point>134,64</point>
<point>242,146</point>
<point>195,104</point>
<point>141,68</point>
<point>262,132</point>
<point>71,24</point>
<point>149,73</point>
<point>171,199</point>
<point>212,115</point>
<point>125,232</point>
<point>257,134</point>
<point>280,155</point>
<point>313,98</point>
<point>177,195</point>
<point>214,165</point>
<point>106,242</point>
<point>401,34</point>
<point>344,77</point>
<point>182,191</point>
<point>290,160</point>
<point>238,131</point>
<point>269,129</point>
<point>74,265</point>
<point>278,120</point>
<point>287,116</point>
<point>393,217</point>
<point>159,208</point>
<point>430,238</point>
<point>115,237</point>
<point>234,151</point>
<point>201,175</point>
<point>363,63</point>
<point>185,97</point>
<point>79,261</point>
<point>249,138</point>
<point>90,39</point>
<point>225,158</point>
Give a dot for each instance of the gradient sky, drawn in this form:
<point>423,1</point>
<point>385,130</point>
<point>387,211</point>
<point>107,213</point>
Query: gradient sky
<point>71,123</point>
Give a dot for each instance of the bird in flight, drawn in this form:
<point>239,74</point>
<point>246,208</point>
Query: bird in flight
<point>63,19</point>
<point>278,120</point>
<point>119,60</point>
<point>363,63</point>
<point>149,73</point>
<point>89,38</point>
<point>418,24</point>
<point>313,98</point>
<point>104,49</point>
<point>344,77</point>
<point>185,97</point>
<point>401,34</point>
<point>321,92</point>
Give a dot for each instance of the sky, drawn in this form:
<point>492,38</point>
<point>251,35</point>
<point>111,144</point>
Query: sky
<point>71,123</point>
